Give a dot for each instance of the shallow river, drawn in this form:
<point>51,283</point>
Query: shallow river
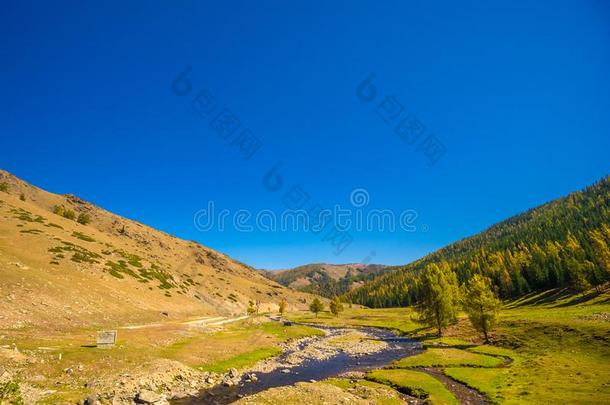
<point>310,369</point>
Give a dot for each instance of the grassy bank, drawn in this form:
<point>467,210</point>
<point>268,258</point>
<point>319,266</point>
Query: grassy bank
<point>549,347</point>
<point>43,360</point>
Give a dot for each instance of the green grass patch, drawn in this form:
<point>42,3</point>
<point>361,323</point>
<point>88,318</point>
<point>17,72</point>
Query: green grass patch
<point>383,395</point>
<point>242,360</point>
<point>79,253</point>
<point>122,268</point>
<point>448,357</point>
<point>131,258</point>
<point>414,383</point>
<point>494,351</point>
<point>488,381</point>
<point>454,342</point>
<point>289,332</point>
<point>27,216</point>
<point>82,236</point>
<point>559,346</point>
<point>166,281</point>
<point>396,319</point>
<point>10,393</point>
<point>31,231</point>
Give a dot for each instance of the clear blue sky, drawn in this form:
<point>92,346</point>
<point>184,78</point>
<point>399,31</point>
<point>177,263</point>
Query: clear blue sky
<point>518,92</point>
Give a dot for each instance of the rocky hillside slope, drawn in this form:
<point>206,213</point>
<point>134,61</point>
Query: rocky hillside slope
<point>55,271</point>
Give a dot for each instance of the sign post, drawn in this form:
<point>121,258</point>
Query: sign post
<point>106,338</point>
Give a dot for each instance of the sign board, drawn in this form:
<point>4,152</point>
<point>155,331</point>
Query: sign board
<point>106,338</point>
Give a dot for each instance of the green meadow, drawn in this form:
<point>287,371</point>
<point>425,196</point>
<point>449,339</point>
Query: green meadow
<point>550,347</point>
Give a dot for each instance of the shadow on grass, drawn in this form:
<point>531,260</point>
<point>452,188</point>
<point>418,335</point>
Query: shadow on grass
<point>417,333</point>
<point>546,297</point>
<point>554,295</point>
<point>462,346</point>
<point>579,299</point>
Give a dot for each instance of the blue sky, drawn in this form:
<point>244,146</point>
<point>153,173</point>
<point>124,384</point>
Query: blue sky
<point>518,93</point>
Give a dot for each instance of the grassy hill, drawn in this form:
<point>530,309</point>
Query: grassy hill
<point>58,273</point>
<point>324,279</point>
<point>563,243</point>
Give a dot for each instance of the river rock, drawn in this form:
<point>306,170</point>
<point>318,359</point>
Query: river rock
<point>92,400</point>
<point>251,377</point>
<point>148,397</point>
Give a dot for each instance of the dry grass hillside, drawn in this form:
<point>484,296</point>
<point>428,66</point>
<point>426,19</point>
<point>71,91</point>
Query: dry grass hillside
<point>56,272</point>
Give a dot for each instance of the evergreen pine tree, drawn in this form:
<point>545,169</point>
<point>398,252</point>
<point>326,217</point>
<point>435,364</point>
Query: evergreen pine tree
<point>481,304</point>
<point>316,306</point>
<point>436,305</point>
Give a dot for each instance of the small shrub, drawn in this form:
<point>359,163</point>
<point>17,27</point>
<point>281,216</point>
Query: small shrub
<point>80,254</point>
<point>132,259</point>
<point>83,218</point>
<point>59,210</point>
<point>32,231</point>
<point>82,236</point>
<point>22,197</point>
<point>64,212</point>
<point>24,215</point>
<point>4,187</point>
<point>283,305</point>
<point>80,257</point>
<point>336,307</point>
<point>118,269</point>
<point>10,392</point>
<point>316,306</point>
<point>252,307</point>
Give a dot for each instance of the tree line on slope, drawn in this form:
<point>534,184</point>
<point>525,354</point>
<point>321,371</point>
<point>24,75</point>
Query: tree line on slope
<point>564,243</point>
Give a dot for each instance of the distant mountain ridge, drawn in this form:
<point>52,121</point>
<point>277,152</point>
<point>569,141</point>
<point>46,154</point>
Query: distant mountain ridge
<point>563,243</point>
<point>325,279</point>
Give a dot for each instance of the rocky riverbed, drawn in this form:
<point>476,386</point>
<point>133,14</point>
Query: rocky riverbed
<point>352,342</point>
<point>339,351</point>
